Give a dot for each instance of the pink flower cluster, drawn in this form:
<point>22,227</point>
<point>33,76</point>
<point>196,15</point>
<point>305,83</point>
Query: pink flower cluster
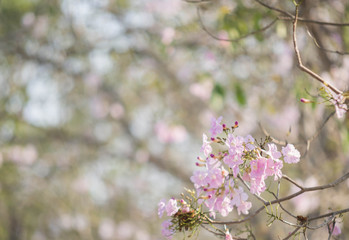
<point>216,183</point>
<point>338,102</point>
<point>171,208</point>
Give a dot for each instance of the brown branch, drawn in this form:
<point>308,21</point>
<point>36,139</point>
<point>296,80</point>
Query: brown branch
<point>317,132</point>
<point>325,49</point>
<point>274,140</point>
<point>303,190</point>
<point>292,233</point>
<point>329,214</point>
<point>290,17</point>
<point>235,39</point>
<point>298,56</point>
<point>314,21</point>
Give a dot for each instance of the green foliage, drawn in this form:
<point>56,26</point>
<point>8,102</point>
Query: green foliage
<point>217,96</point>
<point>11,12</point>
<point>240,94</point>
<point>241,22</point>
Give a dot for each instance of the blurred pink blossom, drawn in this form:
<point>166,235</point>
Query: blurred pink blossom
<point>165,8</point>
<point>206,147</point>
<point>81,185</point>
<point>224,36</point>
<point>41,26</point>
<point>161,207</point>
<point>228,236</point>
<point>1,159</point>
<point>216,126</point>
<point>307,202</point>
<point>340,106</point>
<point>201,90</point>
<point>92,81</point>
<point>124,230</point>
<point>171,207</point>
<point>106,229</point>
<point>99,107</point>
<point>24,155</point>
<point>77,222</point>
<point>28,19</point>
<point>142,156</point>
<point>336,230</point>
<point>167,35</point>
<point>291,154</point>
<point>116,110</point>
<point>170,134</point>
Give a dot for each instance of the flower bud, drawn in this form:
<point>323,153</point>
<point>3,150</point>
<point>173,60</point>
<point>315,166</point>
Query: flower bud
<point>304,100</point>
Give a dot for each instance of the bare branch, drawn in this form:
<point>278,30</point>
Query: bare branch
<point>292,233</point>
<point>274,140</point>
<point>317,132</point>
<point>236,39</point>
<point>325,49</point>
<point>288,16</point>
<point>300,64</point>
<point>303,190</point>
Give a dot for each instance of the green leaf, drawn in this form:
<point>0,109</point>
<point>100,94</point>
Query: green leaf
<point>218,90</point>
<point>240,94</point>
<point>217,97</point>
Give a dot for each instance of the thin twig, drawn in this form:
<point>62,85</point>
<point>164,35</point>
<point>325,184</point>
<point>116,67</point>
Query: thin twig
<point>235,39</point>
<point>329,214</point>
<point>317,132</point>
<point>303,190</point>
<point>326,222</point>
<point>288,16</point>
<point>292,233</point>
<point>314,21</point>
<point>275,9</point>
<point>289,213</point>
<point>248,187</point>
<point>274,140</point>
<point>291,181</point>
<point>325,49</point>
<point>298,56</point>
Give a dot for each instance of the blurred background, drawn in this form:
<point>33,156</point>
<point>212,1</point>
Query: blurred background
<point>103,104</point>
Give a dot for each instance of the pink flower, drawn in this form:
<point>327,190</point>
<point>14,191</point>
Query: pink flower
<point>291,154</point>
<point>257,186</point>
<point>304,100</point>
<point>341,109</point>
<point>244,207</point>
<point>212,163</point>
<point>170,134</point>
<point>199,179</point>
<point>215,177</point>
<point>258,167</point>
<point>168,35</point>
<point>233,162</point>
<point>235,145</point>
<point>239,196</point>
<point>223,206</point>
<point>161,207</point>
<point>216,127</point>
<point>206,147</point>
<point>274,168</point>
<point>336,230</point>
<point>273,151</point>
<point>228,235</point>
<point>185,208</point>
<point>171,207</point>
<point>338,102</point>
<point>239,201</point>
<point>167,230</point>
<point>249,142</point>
